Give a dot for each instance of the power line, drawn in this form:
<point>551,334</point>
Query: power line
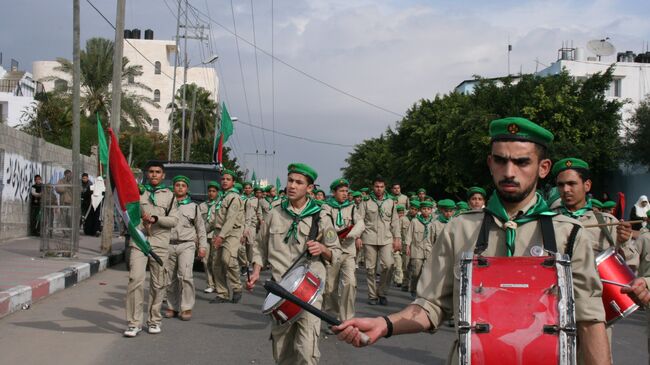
<point>297,137</point>
<point>300,71</point>
<point>273,79</point>
<point>259,91</point>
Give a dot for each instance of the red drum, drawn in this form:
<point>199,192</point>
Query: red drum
<point>516,310</point>
<point>300,282</point>
<point>612,267</point>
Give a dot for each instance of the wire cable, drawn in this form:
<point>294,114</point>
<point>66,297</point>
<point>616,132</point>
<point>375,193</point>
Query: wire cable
<point>259,91</point>
<point>298,137</point>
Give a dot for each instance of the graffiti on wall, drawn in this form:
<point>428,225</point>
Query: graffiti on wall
<point>18,176</point>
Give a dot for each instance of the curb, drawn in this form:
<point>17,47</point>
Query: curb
<point>22,296</point>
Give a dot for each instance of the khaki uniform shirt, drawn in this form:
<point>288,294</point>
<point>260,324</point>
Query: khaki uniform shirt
<point>64,188</point>
<point>420,244</point>
<point>190,226</point>
<point>404,224</point>
<point>252,217</point>
<point>439,285</point>
<point>403,200</point>
<point>203,209</point>
<point>228,223</point>
<point>266,206</point>
<point>382,224</point>
<point>158,234</point>
<point>351,216</point>
<point>643,244</point>
<point>271,249</point>
<point>438,226</point>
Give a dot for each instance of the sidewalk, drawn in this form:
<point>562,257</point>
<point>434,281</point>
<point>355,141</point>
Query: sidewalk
<point>25,277</point>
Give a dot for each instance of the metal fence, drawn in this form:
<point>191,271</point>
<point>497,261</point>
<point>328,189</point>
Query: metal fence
<point>56,215</point>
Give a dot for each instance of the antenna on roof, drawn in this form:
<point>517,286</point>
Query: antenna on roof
<point>601,47</point>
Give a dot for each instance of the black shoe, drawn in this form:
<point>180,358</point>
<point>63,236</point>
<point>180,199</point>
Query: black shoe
<point>243,270</point>
<point>383,301</point>
<point>236,297</point>
<point>219,300</point>
<point>398,285</point>
<point>373,301</point>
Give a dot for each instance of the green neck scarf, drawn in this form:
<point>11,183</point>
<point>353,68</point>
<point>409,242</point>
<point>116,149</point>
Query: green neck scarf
<point>152,191</point>
<point>425,222</point>
<point>443,219</point>
<point>310,208</point>
<point>336,205</point>
<point>496,209</point>
<point>223,197</point>
<point>379,203</point>
<point>211,203</point>
<point>578,213</point>
<point>185,201</point>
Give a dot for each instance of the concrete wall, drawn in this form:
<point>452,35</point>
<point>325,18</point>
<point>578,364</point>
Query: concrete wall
<point>21,157</point>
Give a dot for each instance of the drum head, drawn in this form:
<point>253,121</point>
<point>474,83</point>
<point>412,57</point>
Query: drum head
<point>270,303</point>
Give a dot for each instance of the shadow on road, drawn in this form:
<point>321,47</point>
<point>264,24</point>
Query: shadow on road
<point>412,354</point>
<point>99,322</point>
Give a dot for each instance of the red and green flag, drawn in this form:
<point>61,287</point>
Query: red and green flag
<point>126,195</point>
<point>103,147</point>
<point>224,133</point>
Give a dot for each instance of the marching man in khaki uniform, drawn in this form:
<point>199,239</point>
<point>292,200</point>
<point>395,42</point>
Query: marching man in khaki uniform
<point>207,209</point>
<point>380,239</point>
<point>405,223</point>
<point>401,199</point>
<point>282,242</point>
<point>398,272</point>
<point>476,196</point>
<point>188,233</point>
<point>252,217</point>
<point>517,160</point>
<point>341,286</point>
<point>270,201</point>
<point>228,223</point>
<point>156,203</point>
<point>419,243</point>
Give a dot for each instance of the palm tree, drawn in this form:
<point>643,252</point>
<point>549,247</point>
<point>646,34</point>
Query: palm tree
<point>96,78</point>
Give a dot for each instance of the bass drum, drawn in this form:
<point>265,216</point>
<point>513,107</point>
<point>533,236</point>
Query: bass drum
<point>301,282</point>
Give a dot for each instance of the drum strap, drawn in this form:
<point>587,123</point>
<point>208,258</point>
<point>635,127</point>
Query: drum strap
<point>313,234</point>
<point>548,233</point>
<point>601,220</point>
<point>482,241</point>
<point>572,240</point>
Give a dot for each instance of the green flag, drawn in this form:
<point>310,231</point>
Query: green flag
<point>278,184</point>
<point>226,123</point>
<point>254,178</point>
<point>103,146</point>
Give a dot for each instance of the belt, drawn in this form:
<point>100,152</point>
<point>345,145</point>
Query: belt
<point>177,242</point>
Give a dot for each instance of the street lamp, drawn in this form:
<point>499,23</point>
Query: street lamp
<point>212,59</point>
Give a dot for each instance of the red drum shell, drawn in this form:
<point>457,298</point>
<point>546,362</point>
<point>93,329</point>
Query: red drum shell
<point>300,282</point>
<point>612,267</point>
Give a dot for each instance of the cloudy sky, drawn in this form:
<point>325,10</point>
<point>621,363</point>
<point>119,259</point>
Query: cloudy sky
<point>388,53</point>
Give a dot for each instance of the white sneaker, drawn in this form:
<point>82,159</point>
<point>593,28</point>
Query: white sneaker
<point>132,331</point>
<point>208,290</point>
<point>154,329</point>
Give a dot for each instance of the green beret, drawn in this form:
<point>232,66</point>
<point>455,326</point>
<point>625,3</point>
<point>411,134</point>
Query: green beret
<point>519,129</point>
<point>552,196</point>
<point>257,188</point>
<point>609,204</point>
<point>364,190</point>
<point>302,169</point>
<point>267,188</point>
<point>238,187</point>
<point>426,204</point>
<point>476,190</point>
<point>247,183</point>
<point>214,184</point>
<point>400,208</point>
<point>569,163</point>
<point>339,182</point>
<point>446,203</point>
<point>462,205</point>
<point>415,203</point>
<point>356,194</point>
<point>422,190</point>
<point>182,178</point>
<point>596,203</point>
<point>229,172</point>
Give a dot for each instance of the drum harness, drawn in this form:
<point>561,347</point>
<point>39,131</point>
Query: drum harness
<point>313,233</point>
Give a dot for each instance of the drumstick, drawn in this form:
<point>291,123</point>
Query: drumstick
<point>611,224</point>
<point>615,283</point>
<point>277,289</point>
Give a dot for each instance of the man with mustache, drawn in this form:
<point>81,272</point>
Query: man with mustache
<point>511,224</point>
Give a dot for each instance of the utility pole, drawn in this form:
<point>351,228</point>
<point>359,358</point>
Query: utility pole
<point>191,130</point>
<point>76,169</point>
<point>116,98</point>
<point>185,65</point>
<point>171,117</point>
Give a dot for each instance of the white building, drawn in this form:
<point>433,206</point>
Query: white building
<point>157,60</point>
<point>17,90</point>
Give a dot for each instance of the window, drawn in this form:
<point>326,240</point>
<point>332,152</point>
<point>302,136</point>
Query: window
<point>155,125</point>
<point>131,79</point>
<point>615,88</point>
<point>60,85</point>
<point>157,68</point>
<point>156,95</point>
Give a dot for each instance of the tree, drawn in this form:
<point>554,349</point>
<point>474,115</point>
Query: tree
<point>441,144</point>
<point>638,134</point>
<point>205,114</point>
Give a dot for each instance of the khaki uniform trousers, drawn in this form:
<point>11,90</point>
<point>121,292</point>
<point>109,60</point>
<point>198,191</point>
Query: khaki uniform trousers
<point>180,292</point>
<point>398,274</point>
<point>296,343</point>
<point>415,272</point>
<point>341,287</point>
<point>226,270</point>
<point>384,256</point>
<point>406,279</point>
<point>135,289</point>
<point>207,264</point>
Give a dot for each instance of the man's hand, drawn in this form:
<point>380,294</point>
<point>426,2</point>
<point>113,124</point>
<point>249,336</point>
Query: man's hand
<point>253,277</point>
<point>623,232</point>
<point>358,243</point>
<point>397,245</point>
<point>217,242</point>
<point>350,330</point>
<point>638,291</point>
<point>201,253</point>
<point>316,248</point>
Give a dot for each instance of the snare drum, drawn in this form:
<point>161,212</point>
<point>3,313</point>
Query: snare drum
<point>516,310</point>
<point>612,267</point>
<point>301,282</point>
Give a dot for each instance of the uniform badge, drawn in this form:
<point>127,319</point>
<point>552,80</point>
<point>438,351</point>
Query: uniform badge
<point>330,236</point>
<point>569,163</point>
<point>513,128</point>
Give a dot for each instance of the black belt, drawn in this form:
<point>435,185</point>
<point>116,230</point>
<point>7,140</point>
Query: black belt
<point>176,242</point>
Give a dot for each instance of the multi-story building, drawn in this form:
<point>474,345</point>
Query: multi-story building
<point>157,60</point>
<point>17,91</point>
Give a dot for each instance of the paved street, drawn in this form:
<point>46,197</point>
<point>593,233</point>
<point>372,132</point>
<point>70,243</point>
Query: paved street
<point>83,325</point>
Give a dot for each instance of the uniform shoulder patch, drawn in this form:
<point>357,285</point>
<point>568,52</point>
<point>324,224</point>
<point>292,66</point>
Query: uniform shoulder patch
<point>330,235</point>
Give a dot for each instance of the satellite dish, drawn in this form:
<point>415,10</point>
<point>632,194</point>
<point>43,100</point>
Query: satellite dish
<point>601,47</point>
